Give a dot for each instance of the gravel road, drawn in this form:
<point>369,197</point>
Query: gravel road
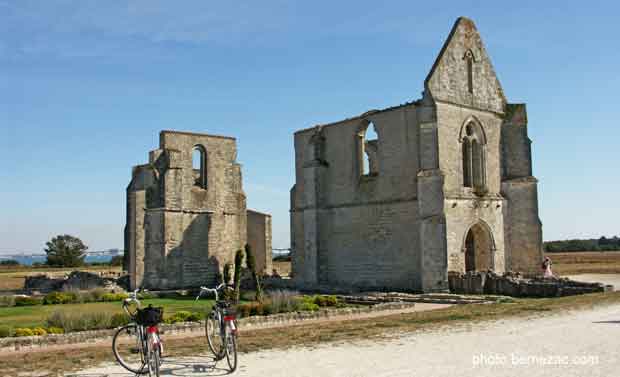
<point>572,344</point>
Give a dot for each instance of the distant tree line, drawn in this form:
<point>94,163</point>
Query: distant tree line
<point>593,244</point>
<point>67,251</point>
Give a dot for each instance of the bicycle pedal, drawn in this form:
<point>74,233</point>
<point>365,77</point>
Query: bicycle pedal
<point>134,350</point>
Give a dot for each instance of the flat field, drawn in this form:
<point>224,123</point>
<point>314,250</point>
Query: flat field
<point>582,262</point>
<point>283,267</point>
<point>585,262</point>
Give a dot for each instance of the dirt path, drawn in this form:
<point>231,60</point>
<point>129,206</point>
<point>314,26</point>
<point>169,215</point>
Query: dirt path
<point>580,343</point>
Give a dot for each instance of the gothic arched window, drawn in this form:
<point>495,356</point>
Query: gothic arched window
<point>199,166</point>
<point>473,146</point>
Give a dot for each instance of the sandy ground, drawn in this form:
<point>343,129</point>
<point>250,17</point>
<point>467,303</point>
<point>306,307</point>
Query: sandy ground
<point>612,279</point>
<point>580,343</point>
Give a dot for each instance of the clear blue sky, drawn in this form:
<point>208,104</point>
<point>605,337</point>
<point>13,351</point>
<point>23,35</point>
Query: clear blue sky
<point>85,87</point>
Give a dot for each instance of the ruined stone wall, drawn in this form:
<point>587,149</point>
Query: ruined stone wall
<point>142,179</point>
<point>350,228</point>
<point>189,227</point>
<point>372,246</point>
<point>259,239</point>
<point>523,229</point>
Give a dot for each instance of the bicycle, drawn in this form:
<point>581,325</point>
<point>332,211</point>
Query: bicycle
<point>142,353</point>
<point>221,328</point>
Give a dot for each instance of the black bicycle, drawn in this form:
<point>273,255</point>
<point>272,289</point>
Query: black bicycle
<point>221,328</point>
<point>137,346</point>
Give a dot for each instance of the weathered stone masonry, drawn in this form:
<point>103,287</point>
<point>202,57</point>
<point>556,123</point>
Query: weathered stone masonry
<point>447,186</point>
<point>185,223</point>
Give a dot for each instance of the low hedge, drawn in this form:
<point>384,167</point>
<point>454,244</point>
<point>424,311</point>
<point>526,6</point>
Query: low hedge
<point>28,301</point>
<point>59,298</point>
<point>8,331</point>
<point>184,316</point>
<point>273,305</point>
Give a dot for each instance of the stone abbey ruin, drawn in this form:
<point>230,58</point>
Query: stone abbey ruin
<point>446,187</point>
<point>185,222</point>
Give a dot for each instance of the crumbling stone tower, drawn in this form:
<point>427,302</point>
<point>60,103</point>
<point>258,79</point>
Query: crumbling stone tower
<point>186,213</point>
<point>446,186</point>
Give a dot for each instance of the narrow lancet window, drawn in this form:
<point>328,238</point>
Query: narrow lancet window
<point>466,163</point>
<point>469,62</point>
<point>199,166</point>
<point>368,150</point>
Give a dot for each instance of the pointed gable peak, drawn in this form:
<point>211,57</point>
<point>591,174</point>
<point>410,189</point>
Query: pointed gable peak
<point>463,74</point>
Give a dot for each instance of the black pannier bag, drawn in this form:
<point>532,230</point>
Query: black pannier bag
<point>149,316</point>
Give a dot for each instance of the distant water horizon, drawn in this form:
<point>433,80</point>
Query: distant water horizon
<point>29,260</point>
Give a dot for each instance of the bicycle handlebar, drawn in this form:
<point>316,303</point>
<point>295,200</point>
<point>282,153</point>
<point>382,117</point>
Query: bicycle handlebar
<point>214,290</point>
<point>133,297</point>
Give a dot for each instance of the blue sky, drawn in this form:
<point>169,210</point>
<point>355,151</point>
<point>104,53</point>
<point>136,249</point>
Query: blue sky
<point>85,87</point>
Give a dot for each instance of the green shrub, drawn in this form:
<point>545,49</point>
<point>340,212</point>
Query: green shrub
<point>252,308</point>
<point>55,330</point>
<point>27,301</point>
<point>56,298</point>
<point>184,316</point>
<point>145,295</point>
<point>109,297</point>
<point>80,321</point>
<point>251,264</point>
<point>195,317</point>
<point>243,310</point>
<point>268,308</point>
<point>237,276</point>
<point>39,331</point>
<point>7,301</point>
<point>119,319</point>
<point>96,294</point>
<point>227,273</point>
<point>6,331</point>
<point>283,301</point>
<point>23,331</point>
<point>257,309</point>
<point>324,301</point>
<point>308,306</point>
<point>307,303</point>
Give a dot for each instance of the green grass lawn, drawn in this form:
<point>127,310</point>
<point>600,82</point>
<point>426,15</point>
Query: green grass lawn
<point>31,316</point>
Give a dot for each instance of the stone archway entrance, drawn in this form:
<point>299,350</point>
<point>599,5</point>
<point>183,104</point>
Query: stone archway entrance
<point>478,249</point>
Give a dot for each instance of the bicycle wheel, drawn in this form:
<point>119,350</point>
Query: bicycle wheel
<point>128,349</point>
<point>154,359</point>
<point>214,335</point>
<point>231,348</point>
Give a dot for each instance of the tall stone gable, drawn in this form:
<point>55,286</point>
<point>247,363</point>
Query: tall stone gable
<point>448,80</point>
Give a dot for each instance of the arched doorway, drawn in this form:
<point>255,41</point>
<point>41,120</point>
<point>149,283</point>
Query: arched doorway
<point>478,248</point>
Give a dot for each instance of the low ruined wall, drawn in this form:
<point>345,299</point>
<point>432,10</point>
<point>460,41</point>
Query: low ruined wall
<point>76,280</point>
<point>513,284</point>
